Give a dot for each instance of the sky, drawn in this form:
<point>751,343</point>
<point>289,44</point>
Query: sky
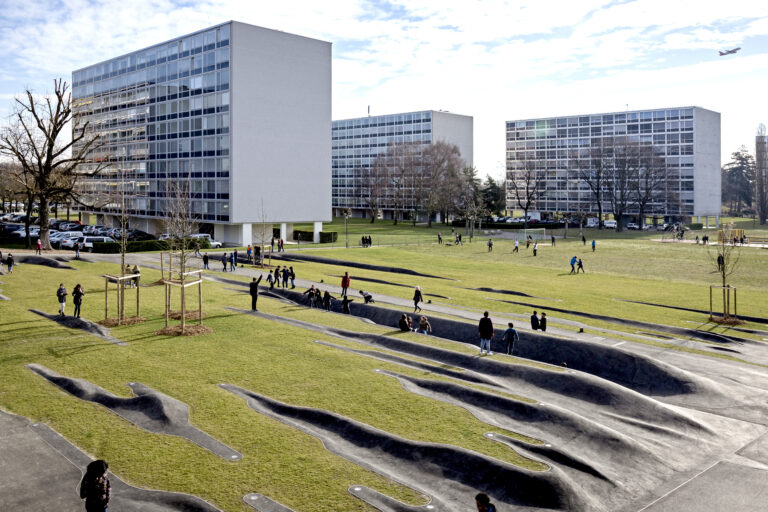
<point>494,60</point>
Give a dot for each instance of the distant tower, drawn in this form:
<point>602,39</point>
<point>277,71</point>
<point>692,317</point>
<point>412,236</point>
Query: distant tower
<point>761,174</point>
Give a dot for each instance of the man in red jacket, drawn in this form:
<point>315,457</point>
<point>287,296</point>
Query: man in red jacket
<point>345,281</point>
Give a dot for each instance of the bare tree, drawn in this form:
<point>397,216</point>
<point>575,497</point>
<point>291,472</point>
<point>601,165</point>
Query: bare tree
<point>527,186</point>
<point>594,171</point>
<point>651,180</point>
<point>370,187</point>
<point>439,161</point>
<point>620,176</point>
<point>398,167</point>
<point>471,205</point>
<point>36,140</point>
<point>724,257</point>
<point>180,224</point>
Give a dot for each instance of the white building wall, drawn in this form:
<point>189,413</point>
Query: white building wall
<point>707,195</point>
<point>454,129</point>
<point>280,127</point>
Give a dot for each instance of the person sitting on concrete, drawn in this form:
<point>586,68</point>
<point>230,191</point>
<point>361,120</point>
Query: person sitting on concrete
<point>404,323</point>
<point>483,502</point>
<point>424,326</point>
<point>368,297</point>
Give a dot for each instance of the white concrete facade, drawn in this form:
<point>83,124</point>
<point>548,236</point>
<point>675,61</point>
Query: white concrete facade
<point>707,182</point>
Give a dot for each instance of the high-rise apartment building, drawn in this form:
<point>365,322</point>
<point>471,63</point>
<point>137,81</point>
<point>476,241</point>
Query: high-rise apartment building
<point>238,115</point>
<point>358,142</point>
<point>685,142</point>
<point>761,174</point>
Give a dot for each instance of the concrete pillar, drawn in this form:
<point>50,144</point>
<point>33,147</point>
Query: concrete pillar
<point>85,218</point>
<point>717,221</point>
<point>317,229</point>
<point>246,234</point>
<point>706,221</point>
<point>286,231</point>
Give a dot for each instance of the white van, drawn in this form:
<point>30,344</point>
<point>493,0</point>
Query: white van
<point>610,224</point>
<point>592,222</point>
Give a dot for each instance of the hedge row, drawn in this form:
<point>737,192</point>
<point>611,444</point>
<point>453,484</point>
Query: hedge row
<point>326,237</point>
<point>504,225</point>
<point>695,225</point>
<point>145,246</point>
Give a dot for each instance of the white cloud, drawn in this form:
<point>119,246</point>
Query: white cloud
<point>495,60</point>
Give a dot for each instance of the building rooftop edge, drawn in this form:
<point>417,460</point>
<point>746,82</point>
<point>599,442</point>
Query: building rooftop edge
<point>402,113</point>
<point>610,113</point>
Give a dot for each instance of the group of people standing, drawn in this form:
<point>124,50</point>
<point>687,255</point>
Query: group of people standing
<point>485,331</point>
<point>281,275</point>
<point>576,265</point>
<point>366,241</point>
<point>77,299</point>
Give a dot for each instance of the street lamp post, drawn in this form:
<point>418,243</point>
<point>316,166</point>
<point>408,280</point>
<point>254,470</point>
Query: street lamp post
<point>346,228</point>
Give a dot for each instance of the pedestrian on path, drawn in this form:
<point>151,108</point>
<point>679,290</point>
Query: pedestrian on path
<point>205,262</point>
<point>510,338</point>
<point>77,299</point>
<point>77,250</point>
<point>95,488</point>
<point>543,322</point>
<point>61,295</point>
<point>224,261</point>
<point>39,247</point>
<point>534,321</point>
<point>233,260</point>
<point>285,277</point>
<point>417,297</point>
<point>345,282</point>
<point>9,262</point>
<point>271,280</point>
<point>197,249</point>
<point>277,276</point>
<point>485,331</point>
<point>292,276</point>
<point>254,291</point>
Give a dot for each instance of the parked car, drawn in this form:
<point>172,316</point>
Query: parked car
<point>61,236</point>
<point>214,243</point>
<point>137,235</point>
<point>632,225</point>
<point>609,224</point>
<point>87,242</point>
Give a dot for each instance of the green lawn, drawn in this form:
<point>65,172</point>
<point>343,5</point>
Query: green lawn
<point>284,363</point>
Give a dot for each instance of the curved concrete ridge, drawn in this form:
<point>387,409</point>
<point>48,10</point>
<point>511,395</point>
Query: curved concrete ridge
<point>757,319</point>
<point>451,475</point>
<point>82,324</point>
<point>41,467</point>
<point>149,410</point>
<point>576,385</point>
<point>42,260</point>
<point>438,370</point>
<point>382,281</point>
<point>679,331</point>
<point>384,503</point>
<point>355,264</point>
<point>510,292</point>
<point>264,504</point>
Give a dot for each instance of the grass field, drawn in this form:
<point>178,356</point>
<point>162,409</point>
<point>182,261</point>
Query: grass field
<point>284,363</point>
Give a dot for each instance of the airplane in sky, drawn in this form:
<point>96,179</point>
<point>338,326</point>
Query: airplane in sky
<point>728,52</point>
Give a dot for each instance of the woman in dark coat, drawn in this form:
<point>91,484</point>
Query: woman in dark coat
<point>95,488</point>
<point>77,298</point>
<point>417,297</point>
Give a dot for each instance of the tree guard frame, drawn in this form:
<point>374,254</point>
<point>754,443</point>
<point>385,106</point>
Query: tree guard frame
<point>120,286</point>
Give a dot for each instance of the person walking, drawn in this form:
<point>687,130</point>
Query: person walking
<point>271,280</point>
<point>285,277</point>
<point>580,266</point>
<point>61,295</point>
<point>517,246</point>
<point>233,261</point>
<point>367,297</point>
<point>205,262</point>
<point>197,249</point>
<point>483,503</point>
<point>553,240</point>
<point>424,326</point>
<point>593,245</point>
<point>573,265</point>
<point>534,321</point>
<point>345,282</point>
<point>535,248</point>
<point>510,338</point>
<point>583,240</point>
<point>224,261</point>
<point>292,276</point>
<point>485,331</point>
<point>327,298</point>
<point>417,297</point>
<point>77,250</point>
<point>254,291</point>
<point>9,261</point>
<point>77,299</point>
<point>543,322</point>
<point>39,247</point>
<point>490,245</point>
<point>95,487</point>
<point>277,276</point>
<point>439,239</point>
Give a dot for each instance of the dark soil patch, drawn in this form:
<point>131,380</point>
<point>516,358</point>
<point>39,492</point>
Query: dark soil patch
<point>190,315</point>
<point>189,330</point>
<point>83,325</point>
<point>129,320</point>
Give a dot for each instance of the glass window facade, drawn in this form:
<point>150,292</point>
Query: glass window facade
<point>162,115</point>
<point>560,152</point>
<point>357,142</point>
